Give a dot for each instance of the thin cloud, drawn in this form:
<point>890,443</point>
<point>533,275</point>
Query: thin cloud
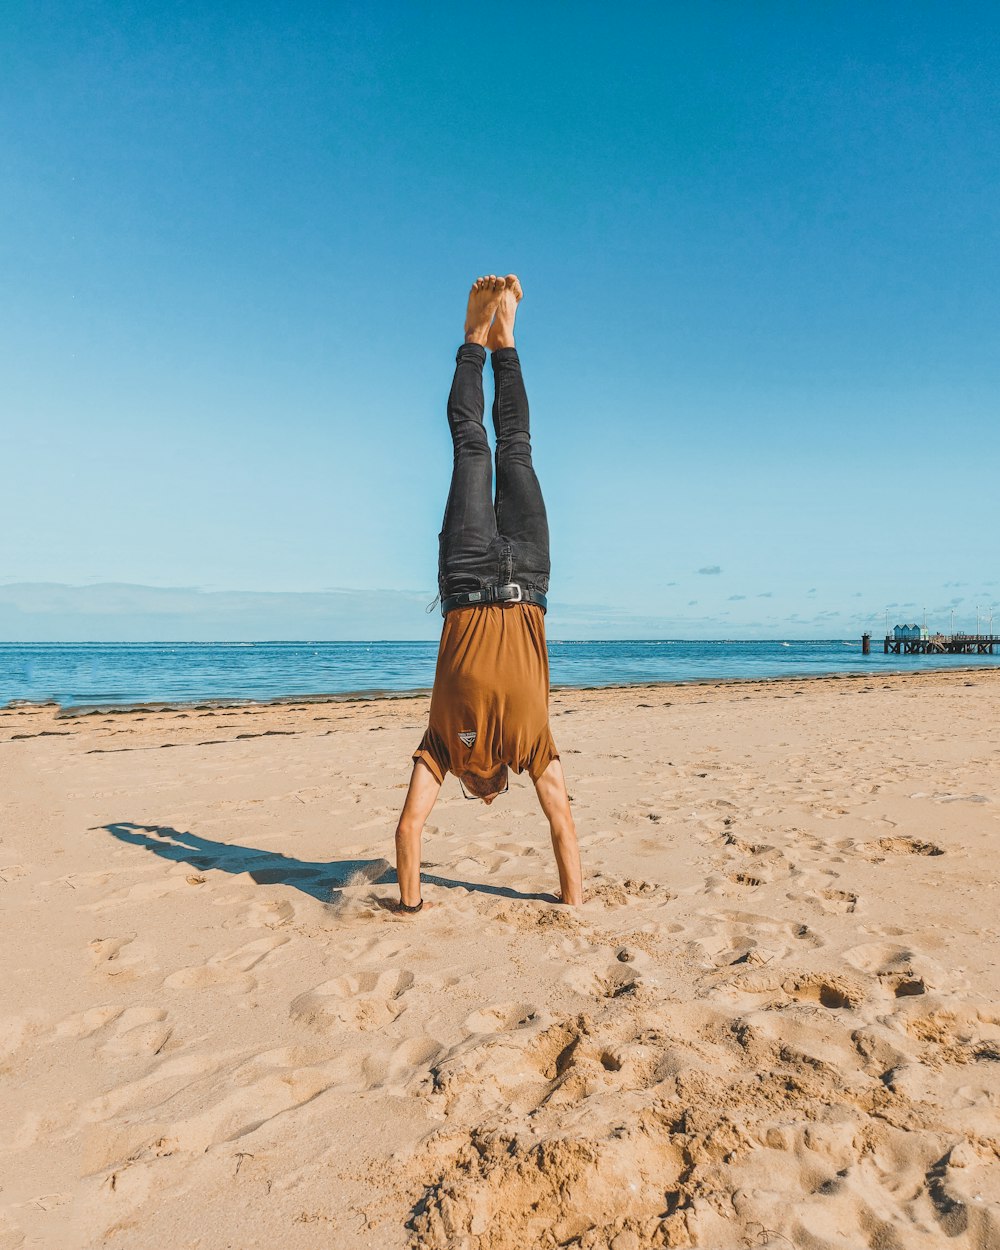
<point>711,569</point>
<point>117,611</point>
<point>766,594</point>
<point>736,598</point>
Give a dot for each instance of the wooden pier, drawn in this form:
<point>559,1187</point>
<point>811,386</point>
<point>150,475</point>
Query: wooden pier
<point>942,644</point>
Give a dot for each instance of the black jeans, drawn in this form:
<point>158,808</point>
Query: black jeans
<point>486,542</point>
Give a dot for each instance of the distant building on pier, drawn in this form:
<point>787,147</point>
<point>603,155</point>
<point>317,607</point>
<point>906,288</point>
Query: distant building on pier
<point>918,640</point>
<point>905,633</point>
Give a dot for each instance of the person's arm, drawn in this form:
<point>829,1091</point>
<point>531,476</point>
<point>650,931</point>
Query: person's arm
<point>420,800</point>
<point>554,801</point>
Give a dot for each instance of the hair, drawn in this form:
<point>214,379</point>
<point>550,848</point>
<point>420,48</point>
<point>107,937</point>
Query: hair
<point>485,787</point>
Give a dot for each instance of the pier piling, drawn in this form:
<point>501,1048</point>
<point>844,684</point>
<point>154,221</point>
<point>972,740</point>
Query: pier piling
<point>936,644</point>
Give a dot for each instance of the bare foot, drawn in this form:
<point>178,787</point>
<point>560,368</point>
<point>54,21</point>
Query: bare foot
<point>483,300</point>
<point>502,331</point>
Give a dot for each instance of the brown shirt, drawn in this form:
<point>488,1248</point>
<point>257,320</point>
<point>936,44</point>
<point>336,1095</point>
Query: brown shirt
<point>490,704</point>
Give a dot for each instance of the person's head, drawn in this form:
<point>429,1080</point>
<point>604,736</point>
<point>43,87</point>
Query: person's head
<point>486,788</point>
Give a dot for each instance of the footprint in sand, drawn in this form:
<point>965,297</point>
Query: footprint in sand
<point>953,1032</point>
<point>749,879</point>
<point>740,950</point>
<point>506,856</point>
<point>615,981</point>
<point>363,1000</point>
<point>406,1065</point>
<point>227,970</point>
<point>500,1018</point>
<point>614,892</point>
<point>838,900</point>
<point>878,849</point>
<point>834,992</point>
<point>511,1068</point>
<point>262,914</point>
<point>118,957</point>
<point>814,1045</point>
<point>203,1111</point>
<point>252,1104</point>
<point>86,1023</point>
<point>141,893</point>
<point>170,1077</point>
<point>377,949</point>
<point>964,1186</point>
<point>138,1031</point>
<point>585,1068</point>
<point>899,970</point>
<point>752,848</point>
<point>83,880</point>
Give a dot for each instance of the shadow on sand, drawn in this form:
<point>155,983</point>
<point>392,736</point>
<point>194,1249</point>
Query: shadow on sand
<point>322,880</point>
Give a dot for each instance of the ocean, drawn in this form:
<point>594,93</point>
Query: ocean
<point>121,674</point>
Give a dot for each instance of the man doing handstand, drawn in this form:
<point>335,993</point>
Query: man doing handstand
<point>489,708</point>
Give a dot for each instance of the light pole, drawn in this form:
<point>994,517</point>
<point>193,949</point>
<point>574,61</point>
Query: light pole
<point>977,620</point>
<point>953,622</point>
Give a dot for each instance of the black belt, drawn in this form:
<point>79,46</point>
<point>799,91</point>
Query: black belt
<point>513,592</point>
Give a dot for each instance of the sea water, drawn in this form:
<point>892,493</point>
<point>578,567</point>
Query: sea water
<point>106,674</point>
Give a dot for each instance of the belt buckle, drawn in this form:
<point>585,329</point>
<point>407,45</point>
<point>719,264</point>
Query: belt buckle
<point>520,592</point>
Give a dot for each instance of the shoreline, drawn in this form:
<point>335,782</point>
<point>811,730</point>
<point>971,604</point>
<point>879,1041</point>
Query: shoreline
<point>75,710</point>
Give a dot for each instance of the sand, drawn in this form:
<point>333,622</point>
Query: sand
<point>776,1021</point>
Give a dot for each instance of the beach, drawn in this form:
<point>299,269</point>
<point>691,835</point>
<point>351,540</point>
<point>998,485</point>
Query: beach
<point>775,1021</point>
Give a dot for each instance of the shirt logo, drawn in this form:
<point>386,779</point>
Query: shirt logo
<point>468,737</point>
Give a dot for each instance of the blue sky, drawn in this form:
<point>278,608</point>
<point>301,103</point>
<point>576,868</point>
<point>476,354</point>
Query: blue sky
<point>759,244</point>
